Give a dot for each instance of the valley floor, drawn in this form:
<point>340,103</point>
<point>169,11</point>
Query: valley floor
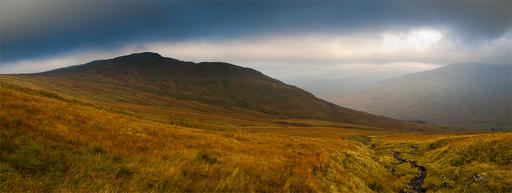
<point>55,143</point>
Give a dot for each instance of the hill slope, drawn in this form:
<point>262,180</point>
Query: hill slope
<point>149,79</point>
<point>459,94</point>
<point>98,134</point>
<point>54,143</point>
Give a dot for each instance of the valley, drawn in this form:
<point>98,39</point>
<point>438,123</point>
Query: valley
<point>57,137</point>
<point>255,96</point>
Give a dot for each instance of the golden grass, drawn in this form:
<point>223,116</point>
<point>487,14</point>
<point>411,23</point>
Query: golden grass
<point>51,142</point>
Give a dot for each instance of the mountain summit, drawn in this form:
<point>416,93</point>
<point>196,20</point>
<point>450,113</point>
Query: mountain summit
<point>215,83</point>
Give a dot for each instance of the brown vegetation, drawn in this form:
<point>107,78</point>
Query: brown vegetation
<point>52,142</point>
<point>84,132</point>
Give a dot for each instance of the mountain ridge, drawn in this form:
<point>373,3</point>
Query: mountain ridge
<point>150,79</point>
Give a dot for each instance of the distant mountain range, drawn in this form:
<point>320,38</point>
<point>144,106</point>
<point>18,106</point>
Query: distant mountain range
<point>465,94</point>
<point>149,81</point>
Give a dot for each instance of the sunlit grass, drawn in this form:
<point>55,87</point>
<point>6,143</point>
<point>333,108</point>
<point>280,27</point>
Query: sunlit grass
<point>53,142</point>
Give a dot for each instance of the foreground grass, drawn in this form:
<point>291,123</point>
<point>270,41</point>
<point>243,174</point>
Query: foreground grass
<point>53,144</point>
<point>49,142</point>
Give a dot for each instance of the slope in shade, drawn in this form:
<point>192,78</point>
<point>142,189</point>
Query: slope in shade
<point>219,84</point>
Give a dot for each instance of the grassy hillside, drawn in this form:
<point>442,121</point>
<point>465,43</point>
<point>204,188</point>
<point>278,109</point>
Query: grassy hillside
<point>184,90</point>
<point>475,95</point>
<point>144,123</point>
<point>56,143</point>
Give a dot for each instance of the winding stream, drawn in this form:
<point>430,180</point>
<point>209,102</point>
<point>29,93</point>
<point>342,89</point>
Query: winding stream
<point>417,181</point>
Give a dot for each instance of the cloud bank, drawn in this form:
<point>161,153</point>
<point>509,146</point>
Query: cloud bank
<point>299,56</point>
<point>283,39</point>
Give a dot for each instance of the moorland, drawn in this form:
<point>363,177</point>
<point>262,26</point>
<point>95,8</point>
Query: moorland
<point>145,123</point>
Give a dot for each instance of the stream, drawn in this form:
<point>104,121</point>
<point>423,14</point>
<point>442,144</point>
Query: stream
<point>418,180</point>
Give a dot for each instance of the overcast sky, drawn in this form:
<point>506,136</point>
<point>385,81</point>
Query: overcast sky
<point>284,39</point>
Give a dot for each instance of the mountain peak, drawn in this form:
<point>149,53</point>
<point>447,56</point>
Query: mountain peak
<point>143,55</point>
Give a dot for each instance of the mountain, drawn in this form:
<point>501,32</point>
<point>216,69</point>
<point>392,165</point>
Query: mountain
<point>145,123</point>
<point>207,88</point>
<point>465,94</point>
<point>55,143</point>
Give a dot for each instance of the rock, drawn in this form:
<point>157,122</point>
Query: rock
<point>477,178</point>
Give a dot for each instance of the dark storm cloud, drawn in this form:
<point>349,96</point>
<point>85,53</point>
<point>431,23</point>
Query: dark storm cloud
<point>36,29</point>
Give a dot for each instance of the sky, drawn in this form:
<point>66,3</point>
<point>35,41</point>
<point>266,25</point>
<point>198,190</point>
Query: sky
<point>288,40</point>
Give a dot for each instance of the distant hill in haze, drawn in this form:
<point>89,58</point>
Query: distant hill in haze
<point>465,94</point>
<point>333,88</point>
<point>209,88</point>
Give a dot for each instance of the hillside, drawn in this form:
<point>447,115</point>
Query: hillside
<point>209,88</point>
<point>50,142</point>
<point>461,94</point>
